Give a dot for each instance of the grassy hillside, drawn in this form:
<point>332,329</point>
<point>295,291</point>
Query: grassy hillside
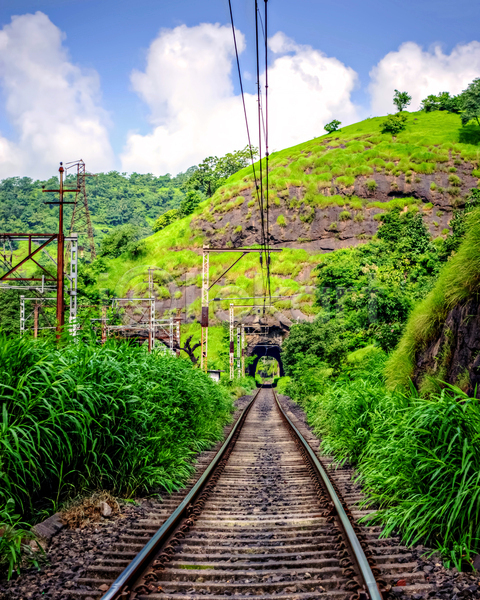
<point>331,192</point>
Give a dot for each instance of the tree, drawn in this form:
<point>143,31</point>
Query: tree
<point>332,126</point>
<point>443,101</point>
<point>471,103</point>
<point>394,123</point>
<point>212,172</point>
<point>401,100</point>
<point>189,203</point>
<point>121,239</point>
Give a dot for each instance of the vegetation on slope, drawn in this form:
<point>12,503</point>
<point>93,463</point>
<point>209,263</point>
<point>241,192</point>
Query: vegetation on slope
<point>417,454</point>
<point>458,281</point>
<point>326,170</point>
<point>85,417</point>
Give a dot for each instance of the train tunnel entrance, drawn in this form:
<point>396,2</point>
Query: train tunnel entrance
<point>260,351</point>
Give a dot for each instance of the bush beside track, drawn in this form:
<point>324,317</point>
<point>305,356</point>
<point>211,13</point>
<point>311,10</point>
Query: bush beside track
<point>85,417</point>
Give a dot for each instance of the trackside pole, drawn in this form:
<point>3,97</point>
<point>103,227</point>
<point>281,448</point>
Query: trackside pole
<point>231,342</point>
<point>239,352</point>
<point>243,349</point>
<point>204,317</point>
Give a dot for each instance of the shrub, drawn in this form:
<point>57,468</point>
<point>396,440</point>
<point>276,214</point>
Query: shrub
<point>433,186</point>
<point>344,215</point>
<point>394,123</point>
<point>445,231</point>
<point>238,229</point>
<point>427,206</point>
<point>281,221</point>
<point>371,185</point>
<point>165,219</point>
<point>455,180</point>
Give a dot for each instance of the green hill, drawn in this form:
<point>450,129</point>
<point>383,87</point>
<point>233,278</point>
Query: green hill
<point>328,193</point>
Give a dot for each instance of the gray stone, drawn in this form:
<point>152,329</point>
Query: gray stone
<point>50,527</point>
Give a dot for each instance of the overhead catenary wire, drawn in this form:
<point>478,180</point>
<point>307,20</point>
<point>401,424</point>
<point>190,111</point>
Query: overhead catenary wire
<point>257,187</point>
<point>262,128</point>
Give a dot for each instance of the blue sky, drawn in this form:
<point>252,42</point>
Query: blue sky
<point>108,40</point>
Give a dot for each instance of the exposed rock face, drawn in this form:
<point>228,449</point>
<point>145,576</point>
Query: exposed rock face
<point>333,227</point>
<point>454,357</point>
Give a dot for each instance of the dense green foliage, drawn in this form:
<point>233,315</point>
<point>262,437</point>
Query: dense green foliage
<point>418,458</point>
<point>122,239</point>
<point>9,311</point>
<point>113,198</point>
<point>365,293</point>
<point>458,281</point>
<point>87,416</point>
<point>213,172</point>
<point>471,103</point>
<point>442,101</point>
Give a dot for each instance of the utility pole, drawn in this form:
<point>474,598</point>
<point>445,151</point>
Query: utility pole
<point>60,253</point>
<point>243,349</point>
<point>232,349</point>
<point>239,362</point>
<point>204,322</point>
<point>35,320</point>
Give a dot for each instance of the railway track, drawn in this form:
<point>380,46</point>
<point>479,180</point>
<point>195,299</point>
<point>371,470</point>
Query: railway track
<point>263,520</point>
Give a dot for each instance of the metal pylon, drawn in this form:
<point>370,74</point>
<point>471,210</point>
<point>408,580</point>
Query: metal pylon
<point>81,221</point>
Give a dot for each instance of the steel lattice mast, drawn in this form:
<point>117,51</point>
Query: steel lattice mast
<point>81,223</point>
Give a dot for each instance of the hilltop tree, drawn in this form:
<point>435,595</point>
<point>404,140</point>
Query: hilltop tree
<point>443,101</point>
<point>212,172</point>
<point>471,103</point>
<point>332,126</point>
<point>401,100</point>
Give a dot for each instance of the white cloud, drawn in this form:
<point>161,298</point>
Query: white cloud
<point>306,90</point>
<point>188,87</point>
<point>52,104</point>
<point>421,73</point>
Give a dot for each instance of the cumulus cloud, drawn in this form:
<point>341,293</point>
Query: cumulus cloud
<point>188,86</point>
<point>307,89</point>
<point>422,73</point>
<point>52,104</point>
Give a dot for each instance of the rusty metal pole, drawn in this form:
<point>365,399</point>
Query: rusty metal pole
<point>35,320</point>
<point>60,259</point>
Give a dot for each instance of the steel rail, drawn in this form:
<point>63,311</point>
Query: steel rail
<point>140,563</point>
<point>365,571</point>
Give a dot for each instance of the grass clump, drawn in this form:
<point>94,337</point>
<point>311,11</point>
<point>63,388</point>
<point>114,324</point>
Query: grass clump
<point>281,221</point>
<point>371,185</point>
<point>345,215</point>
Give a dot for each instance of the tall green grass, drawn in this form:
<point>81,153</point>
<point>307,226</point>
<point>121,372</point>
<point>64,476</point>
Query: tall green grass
<point>418,458</point>
<point>85,417</point>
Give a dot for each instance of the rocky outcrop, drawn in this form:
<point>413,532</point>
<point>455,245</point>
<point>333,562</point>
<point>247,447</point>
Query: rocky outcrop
<point>293,223</point>
<point>454,356</point>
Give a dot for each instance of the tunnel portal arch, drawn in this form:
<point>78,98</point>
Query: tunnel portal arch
<point>259,351</point>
